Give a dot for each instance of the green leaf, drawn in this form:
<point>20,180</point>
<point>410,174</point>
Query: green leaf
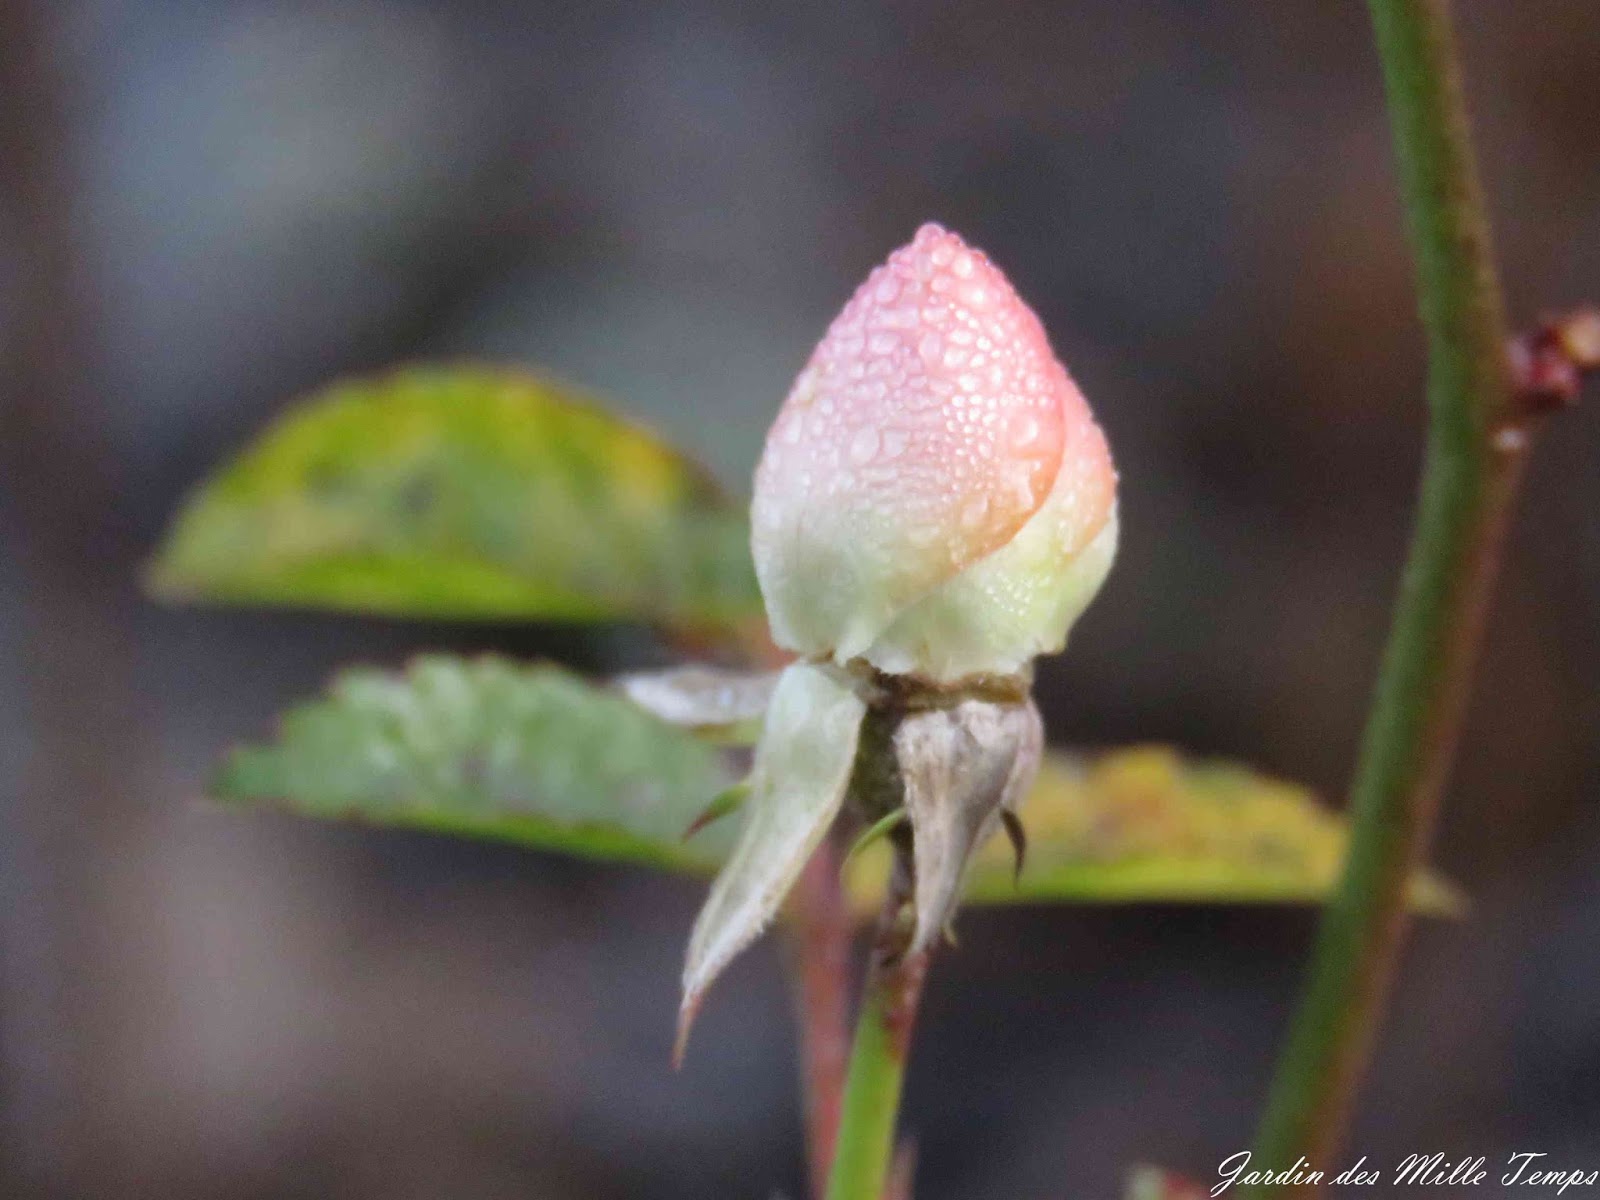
<point>533,755</point>
<point>492,749</point>
<point>464,492</point>
<point>1144,824</point>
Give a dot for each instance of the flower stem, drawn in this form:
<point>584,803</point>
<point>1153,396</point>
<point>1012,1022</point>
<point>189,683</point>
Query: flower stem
<point>1477,441</point>
<point>820,929</point>
<point>878,1060</point>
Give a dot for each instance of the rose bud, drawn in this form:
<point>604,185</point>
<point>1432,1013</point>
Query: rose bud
<point>934,508</point>
<point>934,497</point>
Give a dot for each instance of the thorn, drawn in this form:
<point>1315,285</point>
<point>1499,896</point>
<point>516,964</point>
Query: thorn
<point>876,832</point>
<point>1548,362</point>
<point>902,1171</point>
<point>1579,334</point>
<point>687,1011</point>
<point>725,802</point>
<point>1017,835</point>
<point>950,938</point>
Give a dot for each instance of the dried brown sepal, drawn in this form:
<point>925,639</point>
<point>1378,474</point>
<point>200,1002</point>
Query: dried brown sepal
<point>960,766</point>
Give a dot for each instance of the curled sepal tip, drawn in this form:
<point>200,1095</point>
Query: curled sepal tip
<point>797,784</point>
<point>726,802</point>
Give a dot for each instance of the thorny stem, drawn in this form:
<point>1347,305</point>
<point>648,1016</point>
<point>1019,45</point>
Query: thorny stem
<point>819,930</point>
<point>866,1146</point>
<point>1478,437</point>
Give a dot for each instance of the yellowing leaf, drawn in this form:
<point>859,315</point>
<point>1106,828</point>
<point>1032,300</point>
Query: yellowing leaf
<point>465,492</point>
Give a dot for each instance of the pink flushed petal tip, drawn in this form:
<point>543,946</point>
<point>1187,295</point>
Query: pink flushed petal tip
<point>924,432</point>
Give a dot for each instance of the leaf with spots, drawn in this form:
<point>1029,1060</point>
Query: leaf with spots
<point>527,754</point>
<point>465,492</point>
<point>535,756</point>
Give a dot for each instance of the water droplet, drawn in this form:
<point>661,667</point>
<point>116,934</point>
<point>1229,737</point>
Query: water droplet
<point>882,343</point>
<point>864,446</point>
<point>1022,487</point>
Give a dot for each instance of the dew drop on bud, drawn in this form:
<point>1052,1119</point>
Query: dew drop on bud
<point>1024,431</point>
<point>864,446</point>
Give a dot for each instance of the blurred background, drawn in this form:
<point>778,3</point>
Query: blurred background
<point>207,209</point>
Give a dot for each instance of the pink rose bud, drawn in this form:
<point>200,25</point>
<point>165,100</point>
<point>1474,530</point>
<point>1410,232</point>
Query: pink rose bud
<point>936,500</point>
<point>935,496</point>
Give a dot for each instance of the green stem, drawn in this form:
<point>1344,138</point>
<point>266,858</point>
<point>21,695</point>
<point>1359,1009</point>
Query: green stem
<point>1476,445</point>
<point>865,1148</point>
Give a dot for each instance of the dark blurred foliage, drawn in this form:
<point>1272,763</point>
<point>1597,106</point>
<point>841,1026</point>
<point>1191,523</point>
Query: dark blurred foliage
<point>206,209</point>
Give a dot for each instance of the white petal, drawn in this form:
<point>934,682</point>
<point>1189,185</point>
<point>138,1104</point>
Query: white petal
<point>1007,609</point>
